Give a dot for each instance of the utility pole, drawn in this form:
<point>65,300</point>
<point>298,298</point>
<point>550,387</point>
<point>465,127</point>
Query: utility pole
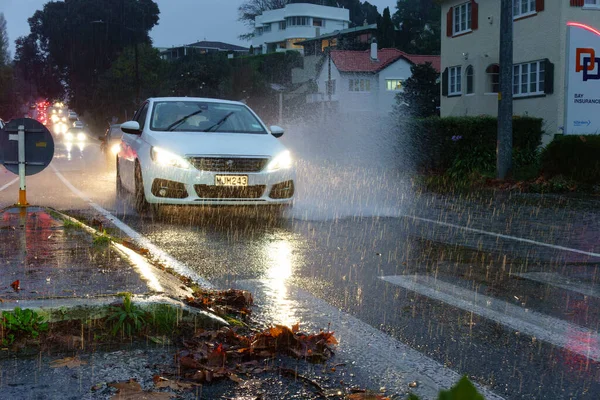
<point>505,97</point>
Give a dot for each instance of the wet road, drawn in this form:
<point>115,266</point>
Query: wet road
<point>417,287</point>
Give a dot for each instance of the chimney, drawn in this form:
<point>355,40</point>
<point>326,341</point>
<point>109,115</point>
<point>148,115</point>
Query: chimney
<point>374,50</point>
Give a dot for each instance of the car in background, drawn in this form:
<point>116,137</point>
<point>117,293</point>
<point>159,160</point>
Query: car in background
<point>75,135</point>
<point>73,115</point>
<point>195,151</point>
<point>110,143</point>
<point>78,124</point>
<point>2,124</point>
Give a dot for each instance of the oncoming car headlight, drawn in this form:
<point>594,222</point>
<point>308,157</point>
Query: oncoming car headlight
<point>116,148</point>
<point>168,159</point>
<point>68,136</point>
<point>282,161</point>
<point>81,136</point>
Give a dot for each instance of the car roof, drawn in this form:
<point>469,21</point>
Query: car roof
<point>203,99</point>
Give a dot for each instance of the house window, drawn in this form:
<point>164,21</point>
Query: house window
<point>282,26</point>
<point>259,31</point>
<point>393,84</point>
<point>297,21</point>
<point>528,78</point>
<point>462,18</point>
<point>359,85</point>
<point>592,3</point>
<point>455,81</point>
<point>318,22</point>
<point>267,28</point>
<point>470,83</point>
<point>493,78</point>
<point>523,7</point>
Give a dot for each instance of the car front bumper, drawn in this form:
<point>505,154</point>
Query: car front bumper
<point>165,185</point>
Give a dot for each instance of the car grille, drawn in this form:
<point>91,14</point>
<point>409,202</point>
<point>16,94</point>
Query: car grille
<point>229,192</point>
<point>220,164</point>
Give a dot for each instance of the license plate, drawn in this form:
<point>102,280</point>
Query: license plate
<point>231,180</point>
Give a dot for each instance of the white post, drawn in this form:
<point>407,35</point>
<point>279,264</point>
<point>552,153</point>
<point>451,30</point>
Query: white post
<point>22,186</point>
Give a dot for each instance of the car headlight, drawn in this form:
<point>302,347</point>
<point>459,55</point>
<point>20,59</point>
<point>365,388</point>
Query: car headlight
<point>168,159</point>
<point>116,148</point>
<point>282,161</point>
<point>69,136</point>
<point>81,136</point>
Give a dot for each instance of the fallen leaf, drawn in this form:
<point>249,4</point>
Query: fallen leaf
<point>69,362</point>
<point>366,396</point>
<point>160,383</point>
<point>217,357</point>
<point>16,285</point>
<point>132,390</point>
<point>235,378</point>
<point>296,327</point>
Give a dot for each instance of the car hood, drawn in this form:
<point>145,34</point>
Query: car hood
<point>215,143</point>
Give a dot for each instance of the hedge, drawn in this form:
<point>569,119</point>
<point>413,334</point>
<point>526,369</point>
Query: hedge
<point>574,157</point>
<point>461,145</point>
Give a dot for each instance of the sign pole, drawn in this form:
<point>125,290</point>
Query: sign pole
<point>22,187</point>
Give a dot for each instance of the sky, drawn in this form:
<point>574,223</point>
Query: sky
<point>181,21</point>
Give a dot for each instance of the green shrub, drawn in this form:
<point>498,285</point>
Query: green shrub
<point>127,318</point>
<point>463,145</point>
<point>574,157</point>
<point>21,322</point>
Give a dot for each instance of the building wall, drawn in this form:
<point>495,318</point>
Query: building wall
<point>335,19</point>
<point>398,70</point>
<point>540,36</point>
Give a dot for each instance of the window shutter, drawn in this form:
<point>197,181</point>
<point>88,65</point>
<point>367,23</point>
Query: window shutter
<point>445,82</point>
<point>548,77</point>
<point>539,5</point>
<point>449,21</point>
<point>474,15</point>
<point>577,3</point>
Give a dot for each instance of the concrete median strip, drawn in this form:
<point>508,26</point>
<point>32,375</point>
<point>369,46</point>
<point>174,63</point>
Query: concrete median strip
<point>137,237</point>
<point>574,338</point>
<point>563,283</point>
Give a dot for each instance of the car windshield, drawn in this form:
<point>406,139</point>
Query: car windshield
<point>197,116</point>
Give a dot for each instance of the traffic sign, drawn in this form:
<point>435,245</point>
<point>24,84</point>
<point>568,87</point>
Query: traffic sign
<point>39,146</point>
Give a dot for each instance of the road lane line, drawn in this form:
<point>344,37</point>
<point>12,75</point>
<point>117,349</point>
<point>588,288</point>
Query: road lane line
<point>562,282</point>
<point>137,237</point>
<point>502,236</point>
<point>574,338</point>
<point>9,184</point>
<point>379,357</point>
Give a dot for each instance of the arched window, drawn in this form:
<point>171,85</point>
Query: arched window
<point>470,77</point>
<point>493,78</point>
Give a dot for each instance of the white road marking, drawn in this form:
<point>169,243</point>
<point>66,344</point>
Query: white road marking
<point>563,283</point>
<point>9,184</point>
<point>502,236</point>
<point>574,338</point>
<point>137,237</point>
<point>387,361</point>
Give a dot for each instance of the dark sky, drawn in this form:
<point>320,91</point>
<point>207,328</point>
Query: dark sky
<point>181,21</point>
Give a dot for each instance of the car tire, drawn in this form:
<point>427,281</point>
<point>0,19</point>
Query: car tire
<point>119,182</point>
<point>139,196</point>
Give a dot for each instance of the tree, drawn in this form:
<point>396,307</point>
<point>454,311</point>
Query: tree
<point>250,9</point>
<point>419,22</point>
<point>78,40</point>
<point>421,95</point>
<point>386,32</point>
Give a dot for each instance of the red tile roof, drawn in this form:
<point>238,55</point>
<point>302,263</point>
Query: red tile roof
<point>360,61</point>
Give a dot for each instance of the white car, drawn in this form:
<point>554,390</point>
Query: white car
<point>78,124</point>
<point>195,151</point>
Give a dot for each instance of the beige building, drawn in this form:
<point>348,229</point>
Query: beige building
<point>470,55</point>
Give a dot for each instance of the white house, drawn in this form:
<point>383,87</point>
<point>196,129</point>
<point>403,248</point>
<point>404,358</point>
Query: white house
<point>470,56</point>
<point>365,81</point>
<point>280,29</point>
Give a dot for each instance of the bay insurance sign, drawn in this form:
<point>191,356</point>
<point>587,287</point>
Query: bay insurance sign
<point>582,102</point>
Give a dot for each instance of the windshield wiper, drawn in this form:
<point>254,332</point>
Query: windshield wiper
<point>218,124</point>
<point>182,120</point>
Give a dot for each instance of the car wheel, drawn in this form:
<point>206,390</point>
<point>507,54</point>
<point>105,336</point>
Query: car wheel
<point>141,204</point>
<point>120,187</point>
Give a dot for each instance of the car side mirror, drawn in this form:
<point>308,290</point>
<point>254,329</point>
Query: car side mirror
<point>131,127</point>
<point>277,131</point>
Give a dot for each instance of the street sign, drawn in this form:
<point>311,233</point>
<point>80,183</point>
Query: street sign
<point>39,146</point>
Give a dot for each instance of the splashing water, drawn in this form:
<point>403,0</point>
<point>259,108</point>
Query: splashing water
<point>349,165</point>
